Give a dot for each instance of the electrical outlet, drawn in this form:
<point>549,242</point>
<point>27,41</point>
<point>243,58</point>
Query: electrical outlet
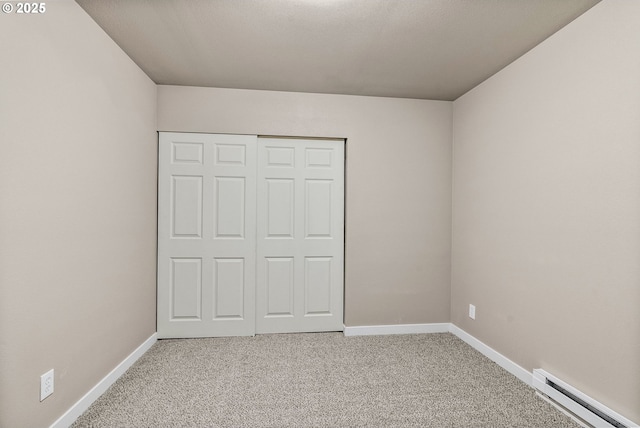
<point>46,384</point>
<point>472,312</point>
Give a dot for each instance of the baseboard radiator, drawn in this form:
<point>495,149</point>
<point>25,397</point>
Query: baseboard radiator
<point>581,405</point>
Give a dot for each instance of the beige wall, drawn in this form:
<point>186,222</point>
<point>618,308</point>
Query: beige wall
<point>398,185</point>
<point>546,207</point>
<point>78,209</point>
<point>546,203</point>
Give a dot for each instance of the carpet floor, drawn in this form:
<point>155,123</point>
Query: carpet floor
<point>319,380</point>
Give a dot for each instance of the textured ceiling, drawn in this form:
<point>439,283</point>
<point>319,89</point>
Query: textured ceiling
<point>430,49</point>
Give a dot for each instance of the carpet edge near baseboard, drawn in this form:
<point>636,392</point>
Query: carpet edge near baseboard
<point>94,393</point>
<point>504,362</point>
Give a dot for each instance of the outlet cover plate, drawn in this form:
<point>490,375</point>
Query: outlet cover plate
<point>472,312</point>
<point>46,384</point>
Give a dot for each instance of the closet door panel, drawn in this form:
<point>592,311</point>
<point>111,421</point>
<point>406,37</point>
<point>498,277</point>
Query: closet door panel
<point>300,221</point>
<point>206,235</point>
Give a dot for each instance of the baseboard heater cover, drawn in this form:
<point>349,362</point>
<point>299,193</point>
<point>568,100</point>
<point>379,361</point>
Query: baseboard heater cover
<point>581,405</point>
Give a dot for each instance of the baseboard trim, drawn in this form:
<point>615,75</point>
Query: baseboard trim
<point>487,351</point>
<point>370,330</point>
<point>446,327</point>
<point>527,377</point>
<point>83,404</point>
<point>493,355</point>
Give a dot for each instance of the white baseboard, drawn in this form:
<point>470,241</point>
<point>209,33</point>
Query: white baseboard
<point>369,330</point>
<point>493,355</point>
<point>83,404</point>
<point>446,327</point>
<point>527,377</point>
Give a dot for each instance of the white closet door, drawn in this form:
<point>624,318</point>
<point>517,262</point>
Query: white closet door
<point>300,235</point>
<point>206,235</point>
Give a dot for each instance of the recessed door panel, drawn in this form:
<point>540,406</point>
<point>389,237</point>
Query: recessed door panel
<point>279,284</point>
<point>230,154</point>
<point>280,207</point>
<point>186,288</point>
<point>280,157</point>
<point>187,153</point>
<point>229,214</point>
<point>229,288</point>
<point>186,207</point>
<point>319,158</point>
<point>317,282</point>
<point>318,210</point>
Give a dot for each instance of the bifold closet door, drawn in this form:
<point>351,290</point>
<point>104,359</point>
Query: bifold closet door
<point>206,235</point>
<point>300,244</point>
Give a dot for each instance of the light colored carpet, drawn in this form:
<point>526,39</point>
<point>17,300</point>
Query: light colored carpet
<point>319,380</point>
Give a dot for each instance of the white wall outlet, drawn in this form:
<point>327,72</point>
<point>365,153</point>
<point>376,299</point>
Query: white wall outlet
<point>46,384</point>
<point>472,312</point>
